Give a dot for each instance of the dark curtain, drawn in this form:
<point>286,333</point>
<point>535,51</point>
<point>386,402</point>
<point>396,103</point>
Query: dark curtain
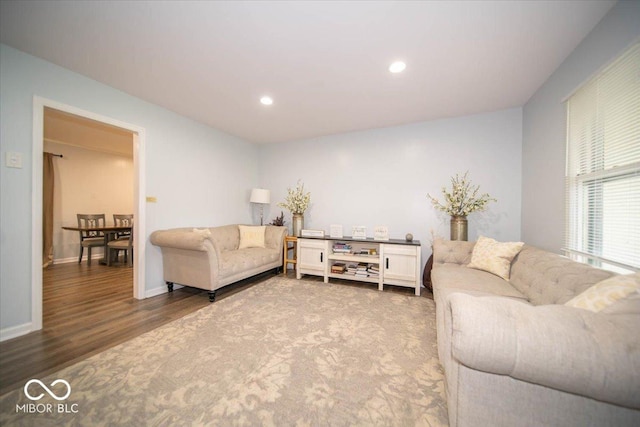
<point>47,210</point>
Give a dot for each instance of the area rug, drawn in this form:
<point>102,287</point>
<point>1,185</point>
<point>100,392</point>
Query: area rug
<point>284,352</point>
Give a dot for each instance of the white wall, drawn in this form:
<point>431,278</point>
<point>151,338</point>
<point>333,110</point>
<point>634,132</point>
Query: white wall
<point>199,175</point>
<point>544,125</point>
<point>87,181</point>
<point>382,176</point>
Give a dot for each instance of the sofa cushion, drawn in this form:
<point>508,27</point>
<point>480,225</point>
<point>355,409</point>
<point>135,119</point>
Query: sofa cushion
<point>577,351</point>
<point>607,293</point>
<point>462,279</point>
<point>251,236</point>
<point>628,305</point>
<point>493,256</point>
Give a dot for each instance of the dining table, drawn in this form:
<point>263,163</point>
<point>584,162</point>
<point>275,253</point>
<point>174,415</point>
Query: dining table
<point>108,230</point>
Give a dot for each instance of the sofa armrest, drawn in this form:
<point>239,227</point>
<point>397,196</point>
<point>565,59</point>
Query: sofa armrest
<point>569,349</point>
<point>183,238</point>
<point>451,252</point>
<point>274,237</point>
<point>189,257</point>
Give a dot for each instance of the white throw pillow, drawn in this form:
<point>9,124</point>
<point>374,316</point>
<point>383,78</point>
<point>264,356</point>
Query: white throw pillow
<point>493,256</point>
<point>251,236</point>
<point>605,295</point>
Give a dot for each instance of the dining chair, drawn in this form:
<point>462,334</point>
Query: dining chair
<point>90,238</point>
<point>123,244</point>
<point>122,220</point>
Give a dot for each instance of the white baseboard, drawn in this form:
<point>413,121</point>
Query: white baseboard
<point>15,331</point>
<point>159,291</point>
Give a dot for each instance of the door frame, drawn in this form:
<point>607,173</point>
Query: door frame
<point>39,104</point>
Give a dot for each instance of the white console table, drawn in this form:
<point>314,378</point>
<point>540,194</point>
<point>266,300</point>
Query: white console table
<point>396,261</point>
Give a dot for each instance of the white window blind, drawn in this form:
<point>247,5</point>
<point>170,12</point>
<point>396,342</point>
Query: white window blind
<point>603,166</point>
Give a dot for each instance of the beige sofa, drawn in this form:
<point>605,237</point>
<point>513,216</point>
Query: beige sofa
<point>210,258</point>
<point>515,355</point>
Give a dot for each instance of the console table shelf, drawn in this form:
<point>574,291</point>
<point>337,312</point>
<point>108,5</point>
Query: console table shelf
<point>397,262</point>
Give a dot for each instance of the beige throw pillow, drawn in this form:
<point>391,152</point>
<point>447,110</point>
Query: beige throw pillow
<point>493,256</point>
<point>605,295</point>
<point>205,232</point>
<point>251,236</point>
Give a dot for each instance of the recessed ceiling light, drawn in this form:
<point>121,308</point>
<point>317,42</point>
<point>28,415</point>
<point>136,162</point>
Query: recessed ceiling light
<point>266,100</point>
<point>397,67</point>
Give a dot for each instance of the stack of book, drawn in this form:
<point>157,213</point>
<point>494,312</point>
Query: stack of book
<point>361,270</point>
<point>373,270</point>
<point>351,269</point>
<point>338,268</point>
<point>341,248</point>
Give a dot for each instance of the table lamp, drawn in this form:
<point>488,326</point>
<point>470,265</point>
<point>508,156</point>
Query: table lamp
<point>262,197</point>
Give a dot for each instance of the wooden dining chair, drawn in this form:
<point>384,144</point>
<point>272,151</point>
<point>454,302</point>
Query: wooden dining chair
<point>123,220</point>
<point>90,239</point>
<point>123,244</point>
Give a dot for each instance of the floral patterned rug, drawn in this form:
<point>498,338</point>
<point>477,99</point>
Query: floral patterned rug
<point>283,352</point>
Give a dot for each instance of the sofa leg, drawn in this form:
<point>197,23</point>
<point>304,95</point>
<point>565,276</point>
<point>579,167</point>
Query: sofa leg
<point>170,286</point>
<point>212,296</point>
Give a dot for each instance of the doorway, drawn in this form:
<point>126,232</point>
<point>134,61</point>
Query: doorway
<point>42,105</point>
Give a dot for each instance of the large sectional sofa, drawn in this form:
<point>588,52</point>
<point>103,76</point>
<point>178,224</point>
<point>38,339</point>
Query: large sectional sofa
<point>515,355</point>
<point>210,258</point>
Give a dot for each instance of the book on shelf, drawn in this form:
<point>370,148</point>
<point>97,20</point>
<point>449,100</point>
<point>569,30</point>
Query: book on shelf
<point>342,248</point>
<point>338,268</point>
<point>367,251</point>
<point>351,269</point>
<point>361,270</point>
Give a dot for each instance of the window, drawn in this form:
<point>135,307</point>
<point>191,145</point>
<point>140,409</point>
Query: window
<point>603,167</point>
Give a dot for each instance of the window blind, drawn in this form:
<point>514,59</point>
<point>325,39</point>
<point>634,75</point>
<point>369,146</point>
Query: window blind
<point>602,224</point>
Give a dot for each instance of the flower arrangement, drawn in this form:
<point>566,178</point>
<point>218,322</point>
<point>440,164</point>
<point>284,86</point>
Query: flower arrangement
<point>279,220</point>
<point>463,198</point>
<point>296,201</point>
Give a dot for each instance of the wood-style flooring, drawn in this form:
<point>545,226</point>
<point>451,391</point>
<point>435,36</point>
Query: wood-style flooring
<point>88,309</point>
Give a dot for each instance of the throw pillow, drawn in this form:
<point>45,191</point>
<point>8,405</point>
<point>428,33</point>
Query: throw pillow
<point>205,232</point>
<point>608,293</point>
<point>493,256</point>
<point>251,236</point>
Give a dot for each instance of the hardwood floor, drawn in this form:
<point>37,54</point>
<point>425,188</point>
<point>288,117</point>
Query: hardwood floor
<point>87,310</point>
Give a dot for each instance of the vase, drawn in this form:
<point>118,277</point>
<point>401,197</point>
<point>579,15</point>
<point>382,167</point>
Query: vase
<point>298,224</point>
<point>459,228</point>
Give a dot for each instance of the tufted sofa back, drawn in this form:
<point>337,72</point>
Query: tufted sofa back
<point>548,278</point>
<point>543,277</point>
<point>226,237</point>
<point>451,252</point>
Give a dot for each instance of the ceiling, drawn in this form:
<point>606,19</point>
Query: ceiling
<point>325,64</point>
<point>65,128</point>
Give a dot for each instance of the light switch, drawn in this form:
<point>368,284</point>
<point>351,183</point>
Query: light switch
<point>13,159</point>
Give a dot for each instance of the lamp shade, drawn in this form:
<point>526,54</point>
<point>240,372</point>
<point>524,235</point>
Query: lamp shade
<point>260,195</point>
